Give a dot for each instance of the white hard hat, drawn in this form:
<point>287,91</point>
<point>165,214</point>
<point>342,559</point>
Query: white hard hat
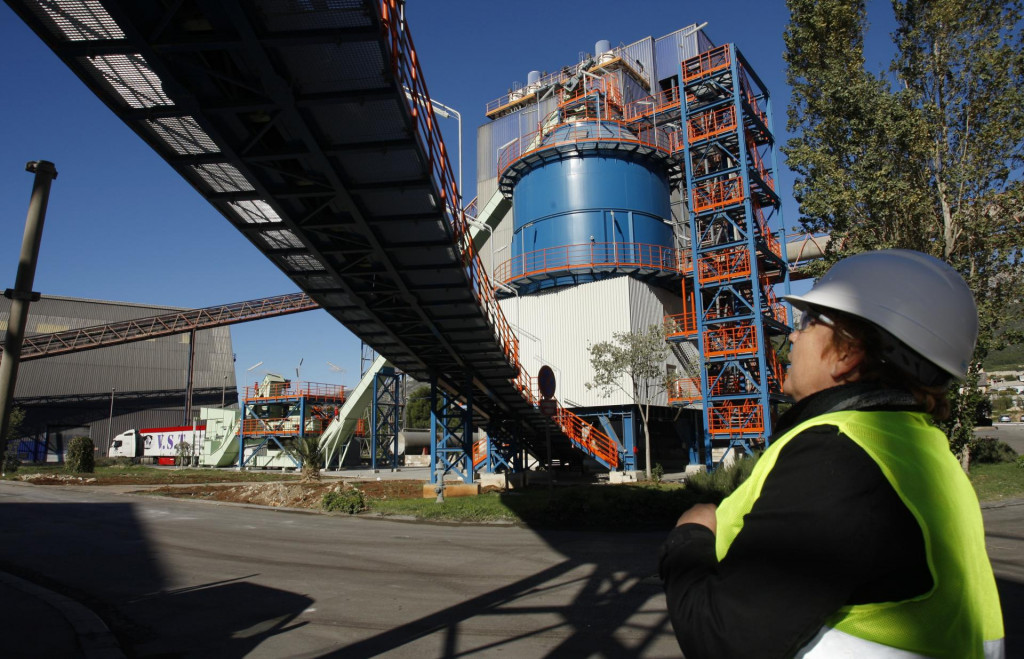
<point>919,300</point>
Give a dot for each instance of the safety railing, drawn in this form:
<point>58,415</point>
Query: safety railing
<point>582,433</point>
<point>289,389</point>
<point>730,341</point>
<point>717,193</point>
<point>706,63</point>
<point>766,233</point>
<point>592,255</point>
<point>588,437</point>
<point>706,125</point>
<point>684,390</point>
<point>406,70</point>
<point>724,265</point>
<point>587,131</point>
<point>519,93</point>
<point>282,426</point>
<point>685,323</point>
<point>734,418</point>
<point>665,101</point>
<point>758,166</point>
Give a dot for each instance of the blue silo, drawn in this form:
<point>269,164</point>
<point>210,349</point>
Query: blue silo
<point>591,198</point>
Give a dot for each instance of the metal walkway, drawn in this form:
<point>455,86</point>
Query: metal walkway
<point>293,120</point>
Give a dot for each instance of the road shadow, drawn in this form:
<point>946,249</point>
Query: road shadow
<point>99,555</point>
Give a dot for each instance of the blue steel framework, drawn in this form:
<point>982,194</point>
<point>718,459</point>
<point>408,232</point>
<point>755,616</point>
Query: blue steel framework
<point>280,413</point>
<point>727,139</point>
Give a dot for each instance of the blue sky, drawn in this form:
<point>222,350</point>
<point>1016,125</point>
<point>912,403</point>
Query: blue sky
<point>122,225</point>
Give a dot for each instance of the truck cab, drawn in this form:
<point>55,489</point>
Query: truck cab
<point>126,445</point>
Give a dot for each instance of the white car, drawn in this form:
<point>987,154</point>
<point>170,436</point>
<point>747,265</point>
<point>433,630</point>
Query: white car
<point>1004,419</point>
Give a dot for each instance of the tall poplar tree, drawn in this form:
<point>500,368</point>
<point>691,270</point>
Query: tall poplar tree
<point>927,157</point>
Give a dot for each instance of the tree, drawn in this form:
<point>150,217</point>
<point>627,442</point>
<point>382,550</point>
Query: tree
<point>638,358</point>
<point>311,453</point>
<point>927,157</point>
<point>10,458</point>
<point>417,411</point>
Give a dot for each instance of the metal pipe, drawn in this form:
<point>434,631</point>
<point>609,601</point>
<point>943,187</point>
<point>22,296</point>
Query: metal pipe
<point>22,295</point>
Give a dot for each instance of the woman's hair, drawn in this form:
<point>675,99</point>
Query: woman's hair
<point>854,332</point>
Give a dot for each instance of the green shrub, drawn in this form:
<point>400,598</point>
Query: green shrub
<point>80,457</point>
<point>11,459</point>
<point>1020,461</point>
<point>992,450</point>
<point>657,472</point>
<point>349,500</point>
<point>712,487</point>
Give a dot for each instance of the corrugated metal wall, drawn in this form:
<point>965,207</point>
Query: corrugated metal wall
<point>673,48</point>
<point>149,378</point>
<point>640,56</point>
<point>557,328</point>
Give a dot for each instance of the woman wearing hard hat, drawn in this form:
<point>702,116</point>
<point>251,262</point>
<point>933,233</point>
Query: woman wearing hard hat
<point>857,534</point>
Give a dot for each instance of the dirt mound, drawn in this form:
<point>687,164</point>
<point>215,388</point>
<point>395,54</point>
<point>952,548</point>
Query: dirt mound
<point>293,495</point>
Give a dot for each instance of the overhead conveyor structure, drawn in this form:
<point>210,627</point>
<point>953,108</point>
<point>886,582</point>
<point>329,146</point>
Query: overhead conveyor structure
<point>337,174</point>
<point>40,346</point>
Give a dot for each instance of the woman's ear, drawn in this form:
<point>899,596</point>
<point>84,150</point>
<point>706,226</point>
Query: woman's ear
<point>845,363</point>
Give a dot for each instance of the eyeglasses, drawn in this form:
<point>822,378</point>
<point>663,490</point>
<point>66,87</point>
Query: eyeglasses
<point>812,317</point>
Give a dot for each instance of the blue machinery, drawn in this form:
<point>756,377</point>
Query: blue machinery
<point>340,179</point>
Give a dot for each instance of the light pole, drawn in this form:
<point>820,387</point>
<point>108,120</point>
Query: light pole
<point>110,419</point>
<point>446,112</point>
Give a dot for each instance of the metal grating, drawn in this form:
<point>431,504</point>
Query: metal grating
<point>255,212</point>
<point>340,67</point>
<point>78,20</point>
<point>183,135</point>
<point>286,15</point>
<point>130,77</point>
<point>222,177</point>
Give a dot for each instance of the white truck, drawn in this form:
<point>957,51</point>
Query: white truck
<point>159,445</point>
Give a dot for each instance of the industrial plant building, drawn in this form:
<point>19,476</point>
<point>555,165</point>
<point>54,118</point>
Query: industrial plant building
<point>593,182</point>
<point>100,393</point>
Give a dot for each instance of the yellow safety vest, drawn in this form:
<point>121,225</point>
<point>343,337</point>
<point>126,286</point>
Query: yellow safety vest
<point>960,616</point>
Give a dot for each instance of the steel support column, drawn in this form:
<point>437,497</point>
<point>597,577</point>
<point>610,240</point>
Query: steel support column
<point>21,295</point>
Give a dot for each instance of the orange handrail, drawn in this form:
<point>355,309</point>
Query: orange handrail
<point>720,266</point>
<point>706,63</point>
<point>684,390</point>
<point>732,417</point>
<point>282,426</point>
<point>289,389</point>
<point>709,124</point>
<point>663,101</point>
<point>726,341</point>
<point>593,255</point>
<point>685,323</point>
<point>717,193</point>
<point>586,131</point>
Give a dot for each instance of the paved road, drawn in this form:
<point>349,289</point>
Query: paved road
<point>191,579</point>
<point>1011,433</point>
<point>195,580</point>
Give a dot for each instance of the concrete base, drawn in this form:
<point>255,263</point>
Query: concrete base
<point>451,490</point>
<point>619,477</point>
<point>503,481</point>
<point>417,460</point>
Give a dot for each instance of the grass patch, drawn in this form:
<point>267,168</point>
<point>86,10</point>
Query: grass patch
<point>605,507</point>
<point>998,481</point>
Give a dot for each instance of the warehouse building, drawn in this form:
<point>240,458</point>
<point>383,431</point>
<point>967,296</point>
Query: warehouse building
<point>102,392</point>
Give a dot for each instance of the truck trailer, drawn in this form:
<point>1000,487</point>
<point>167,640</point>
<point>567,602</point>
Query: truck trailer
<point>159,445</point>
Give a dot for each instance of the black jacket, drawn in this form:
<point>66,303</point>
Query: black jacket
<point>827,531</point>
